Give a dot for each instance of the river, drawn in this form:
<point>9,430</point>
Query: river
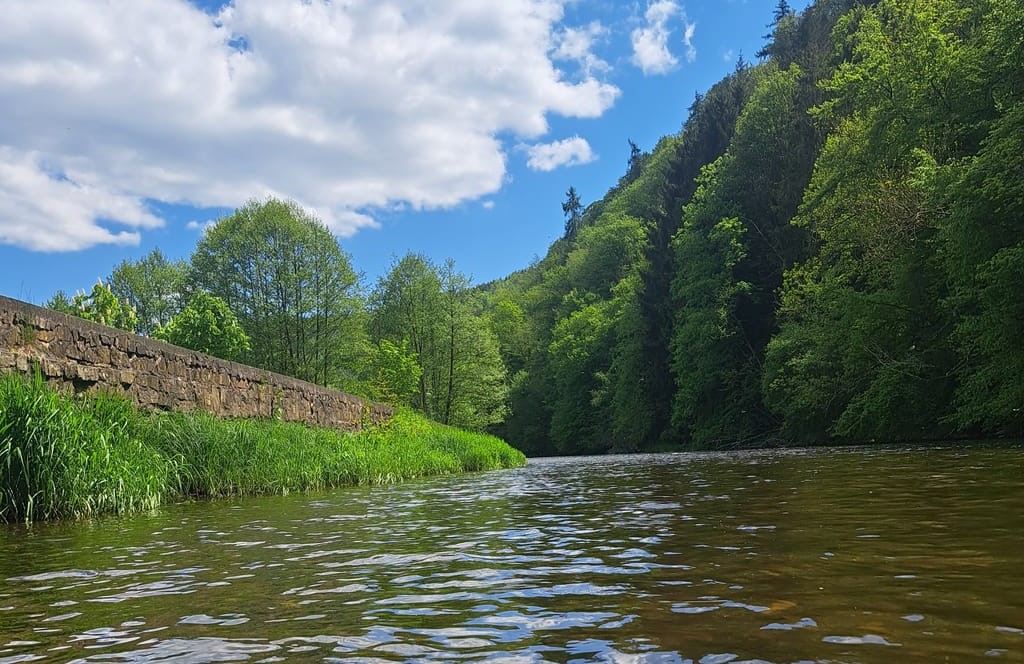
<point>849,555</point>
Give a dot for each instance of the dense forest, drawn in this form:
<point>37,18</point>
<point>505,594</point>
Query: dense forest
<point>830,249</point>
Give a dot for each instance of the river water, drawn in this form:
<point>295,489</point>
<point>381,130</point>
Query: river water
<point>881,555</point>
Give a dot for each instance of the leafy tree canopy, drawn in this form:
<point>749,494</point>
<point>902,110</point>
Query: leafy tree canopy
<point>206,325</point>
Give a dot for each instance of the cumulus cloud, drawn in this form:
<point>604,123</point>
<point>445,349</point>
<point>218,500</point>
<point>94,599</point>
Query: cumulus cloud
<point>650,41</point>
<point>344,107</point>
<point>45,211</point>
<point>567,152</point>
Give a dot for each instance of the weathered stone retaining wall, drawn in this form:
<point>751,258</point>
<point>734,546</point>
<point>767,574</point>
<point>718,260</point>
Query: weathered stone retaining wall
<point>83,356</point>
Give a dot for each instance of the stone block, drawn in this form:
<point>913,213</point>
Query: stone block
<point>76,351</point>
<point>51,368</point>
<point>102,355</point>
<point>12,337</point>
<point>87,374</point>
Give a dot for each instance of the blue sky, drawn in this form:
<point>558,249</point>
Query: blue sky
<point>451,128</point>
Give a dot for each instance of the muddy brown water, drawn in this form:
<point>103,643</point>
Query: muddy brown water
<point>852,555</point>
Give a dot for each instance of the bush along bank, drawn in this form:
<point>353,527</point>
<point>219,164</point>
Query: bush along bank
<point>71,457</point>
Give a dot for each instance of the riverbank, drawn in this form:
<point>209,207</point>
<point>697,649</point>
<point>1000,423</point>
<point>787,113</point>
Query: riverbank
<point>71,457</point>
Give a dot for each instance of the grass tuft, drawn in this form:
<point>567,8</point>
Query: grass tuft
<point>71,458</point>
<point>66,457</point>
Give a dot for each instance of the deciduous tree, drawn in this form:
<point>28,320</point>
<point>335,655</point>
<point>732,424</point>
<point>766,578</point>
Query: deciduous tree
<point>206,325</point>
<point>282,272</point>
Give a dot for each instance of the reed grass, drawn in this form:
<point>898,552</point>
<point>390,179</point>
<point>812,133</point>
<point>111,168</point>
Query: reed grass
<point>70,457</point>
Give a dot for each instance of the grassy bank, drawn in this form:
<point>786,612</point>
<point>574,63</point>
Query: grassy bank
<point>72,457</point>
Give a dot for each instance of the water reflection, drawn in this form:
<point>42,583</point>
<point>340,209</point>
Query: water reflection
<point>840,556</point>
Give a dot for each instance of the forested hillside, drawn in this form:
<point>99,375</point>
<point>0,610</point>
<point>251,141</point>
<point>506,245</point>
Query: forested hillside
<point>832,248</point>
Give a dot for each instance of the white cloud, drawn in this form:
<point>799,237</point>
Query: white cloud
<point>691,50</point>
<point>345,107</point>
<point>577,44</point>
<point>567,152</point>
<point>488,205</point>
<point>201,226</point>
<point>650,42</point>
<point>729,55</point>
<point>44,211</point>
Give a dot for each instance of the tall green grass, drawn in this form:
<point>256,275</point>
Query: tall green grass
<point>73,457</point>
<point>70,458</point>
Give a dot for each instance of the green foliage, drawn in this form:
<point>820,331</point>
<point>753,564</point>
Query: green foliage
<point>282,273</point>
<point>865,349</point>
<point>709,350</point>
<point>67,458</point>
<point>635,421</point>
<point>604,254</point>
<point>406,306</point>
<point>64,457</point>
<point>846,267</point>
<point>981,250</point>
<point>396,372</point>
<point>990,339</point>
<point>208,326</point>
<point>508,321</point>
<point>462,380</point>
<point>154,286</point>
<point>579,356</point>
<point>99,306</point>
<point>731,253</point>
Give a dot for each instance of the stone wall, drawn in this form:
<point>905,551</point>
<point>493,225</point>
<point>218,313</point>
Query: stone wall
<point>83,356</point>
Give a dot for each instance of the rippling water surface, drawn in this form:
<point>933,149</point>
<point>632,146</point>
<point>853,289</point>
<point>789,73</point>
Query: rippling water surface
<point>833,556</point>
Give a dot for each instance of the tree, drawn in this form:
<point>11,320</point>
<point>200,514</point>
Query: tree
<point>983,256</point>
<point>427,310</point>
<point>635,163</point>
<point>579,355</point>
<point>782,11</point>
<point>640,377</point>
<point>578,358</point>
<point>396,372</point>
<point>573,210</point>
<point>154,286</point>
<point>206,325</point>
<point>864,348</point>
<point>405,307</point>
<point>294,291</point>
<point>731,253</point>
<point>99,305</point>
